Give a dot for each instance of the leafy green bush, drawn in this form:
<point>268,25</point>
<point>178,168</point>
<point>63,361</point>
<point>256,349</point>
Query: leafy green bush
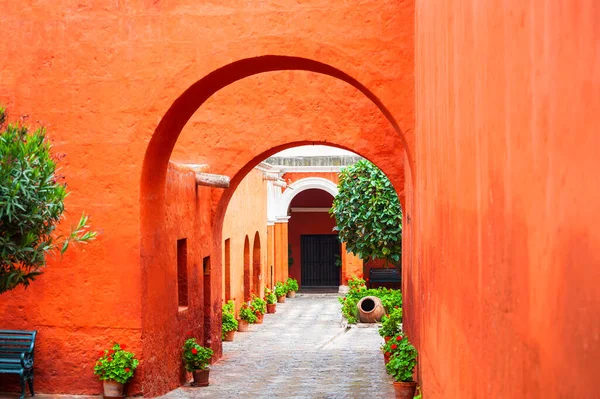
<point>280,289</point>
<point>116,364</point>
<point>258,305</point>
<point>270,296</point>
<point>356,283</point>
<point>403,361</point>
<point>389,298</point>
<point>292,284</point>
<point>368,213</point>
<point>247,314</point>
<point>228,320</point>
<point>196,356</point>
<point>31,205</point>
<point>390,323</point>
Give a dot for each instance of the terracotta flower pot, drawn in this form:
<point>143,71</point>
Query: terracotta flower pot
<point>271,307</point>
<point>386,339</point>
<point>201,377</point>
<point>229,335</point>
<point>242,325</point>
<point>113,389</point>
<point>281,299</point>
<point>259,317</point>
<point>370,309</point>
<point>405,390</point>
<point>291,294</point>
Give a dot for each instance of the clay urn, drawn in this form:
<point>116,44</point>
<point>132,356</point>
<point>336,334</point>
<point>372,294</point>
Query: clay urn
<point>370,309</point>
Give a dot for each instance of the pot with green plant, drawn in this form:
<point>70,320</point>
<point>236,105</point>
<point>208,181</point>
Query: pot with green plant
<point>247,316</point>
<point>196,359</point>
<point>259,307</point>
<point>280,292</point>
<point>391,347</point>
<point>115,368</point>
<point>401,367</point>
<point>293,287</point>
<point>271,300</point>
<point>229,324</point>
<point>391,324</point>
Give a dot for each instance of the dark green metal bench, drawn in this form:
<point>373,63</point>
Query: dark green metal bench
<point>391,275</point>
<point>16,356</point>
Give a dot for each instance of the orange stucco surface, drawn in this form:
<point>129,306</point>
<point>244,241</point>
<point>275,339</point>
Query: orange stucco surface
<point>503,288</point>
<point>245,217</point>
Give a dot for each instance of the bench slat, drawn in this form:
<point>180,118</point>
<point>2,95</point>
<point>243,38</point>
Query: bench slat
<point>13,350</point>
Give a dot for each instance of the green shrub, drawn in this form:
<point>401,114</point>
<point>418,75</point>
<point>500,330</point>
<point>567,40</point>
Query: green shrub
<point>356,283</point>
<point>258,305</point>
<point>292,284</point>
<point>116,364</point>
<point>247,314</point>
<point>391,322</point>
<point>32,199</point>
<point>196,356</point>
<point>389,298</point>
<point>270,296</point>
<point>403,361</point>
<point>228,320</point>
<point>280,289</point>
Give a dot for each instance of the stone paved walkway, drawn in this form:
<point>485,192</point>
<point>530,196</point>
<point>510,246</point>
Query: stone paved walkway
<point>300,352</point>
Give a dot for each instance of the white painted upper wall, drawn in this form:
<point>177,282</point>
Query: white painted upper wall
<point>313,151</point>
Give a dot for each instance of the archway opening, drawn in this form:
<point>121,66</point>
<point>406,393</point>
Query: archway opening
<point>247,271</point>
<point>256,265</point>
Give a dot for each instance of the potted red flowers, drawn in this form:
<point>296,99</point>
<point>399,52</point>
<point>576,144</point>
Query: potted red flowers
<point>271,299</point>
<point>115,368</point>
<point>280,292</point>
<point>229,324</point>
<point>402,366</point>
<point>247,316</point>
<point>196,359</point>
<point>259,307</point>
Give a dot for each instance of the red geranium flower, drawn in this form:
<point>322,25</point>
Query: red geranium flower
<point>388,354</point>
<point>110,359</point>
<point>127,370</point>
<point>123,347</point>
<point>367,279</point>
<point>101,353</point>
<point>398,338</point>
<point>394,346</point>
<point>194,351</point>
<point>396,307</point>
<point>344,298</point>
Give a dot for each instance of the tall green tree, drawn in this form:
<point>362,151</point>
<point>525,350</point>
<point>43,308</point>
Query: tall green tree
<point>31,205</point>
<point>368,213</point>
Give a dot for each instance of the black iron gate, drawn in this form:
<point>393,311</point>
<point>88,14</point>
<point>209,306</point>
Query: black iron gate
<point>319,254</point>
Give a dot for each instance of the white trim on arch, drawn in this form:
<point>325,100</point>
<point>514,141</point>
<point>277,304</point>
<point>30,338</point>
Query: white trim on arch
<point>297,187</point>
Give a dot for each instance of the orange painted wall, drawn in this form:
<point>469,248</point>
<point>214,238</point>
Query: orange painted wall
<point>507,261</point>
<point>246,215</point>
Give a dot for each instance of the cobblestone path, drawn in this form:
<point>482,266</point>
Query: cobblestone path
<point>299,352</point>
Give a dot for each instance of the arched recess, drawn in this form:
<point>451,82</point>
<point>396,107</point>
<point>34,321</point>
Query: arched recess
<point>247,270</point>
<point>256,265</point>
<point>301,185</point>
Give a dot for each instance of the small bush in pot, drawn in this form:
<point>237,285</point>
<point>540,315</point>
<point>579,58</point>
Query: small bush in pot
<point>271,300</point>
<point>391,323</point>
<point>280,291</point>
<point>196,359</point>
<point>402,366</point>
<point>292,285</point>
<point>229,324</point>
<point>247,314</point>
<point>259,307</point>
<point>115,367</point>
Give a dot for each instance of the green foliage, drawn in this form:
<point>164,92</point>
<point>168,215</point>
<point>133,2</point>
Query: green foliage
<point>196,356</point>
<point>403,361</point>
<point>258,305</point>
<point>419,395</point>
<point>270,296</point>
<point>389,298</point>
<point>393,345</point>
<point>247,314</point>
<point>292,284</point>
<point>280,289</point>
<point>356,283</point>
<point>31,205</point>
<point>391,322</point>
<point>228,320</point>
<point>368,213</point>
<point>116,364</point>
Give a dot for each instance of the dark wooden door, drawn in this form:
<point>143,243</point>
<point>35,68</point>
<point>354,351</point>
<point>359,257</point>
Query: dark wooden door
<point>319,253</point>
